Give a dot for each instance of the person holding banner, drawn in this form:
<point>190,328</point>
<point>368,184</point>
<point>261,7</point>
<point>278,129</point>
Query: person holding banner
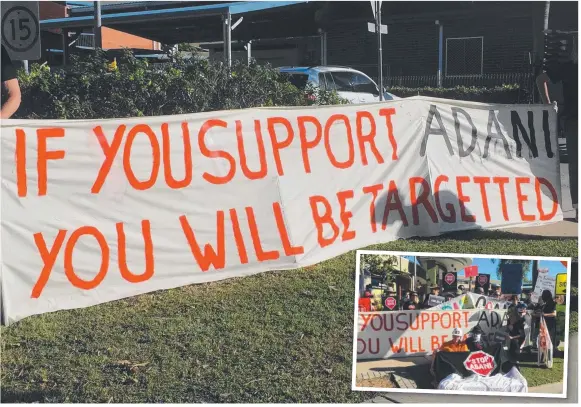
<point>10,82</point>
<point>549,311</point>
<point>517,331</point>
<point>456,344</point>
<point>476,341</point>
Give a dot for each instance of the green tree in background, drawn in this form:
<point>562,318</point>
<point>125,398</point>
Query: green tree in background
<point>381,267</point>
<point>526,267</point>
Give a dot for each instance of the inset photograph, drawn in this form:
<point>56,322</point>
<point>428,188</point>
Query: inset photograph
<point>461,324</point>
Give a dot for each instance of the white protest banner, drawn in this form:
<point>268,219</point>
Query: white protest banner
<point>544,282</point>
<point>478,301</point>
<point>383,335</point>
<point>98,210</point>
<point>459,302</point>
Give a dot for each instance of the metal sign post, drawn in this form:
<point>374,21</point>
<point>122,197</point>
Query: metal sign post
<point>21,30</point>
<point>379,49</point>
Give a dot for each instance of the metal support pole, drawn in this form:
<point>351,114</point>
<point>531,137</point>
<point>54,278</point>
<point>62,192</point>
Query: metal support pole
<point>65,47</point>
<point>323,48</point>
<point>97,25</point>
<point>227,20</point>
<point>440,53</point>
<point>249,52</point>
<point>25,66</point>
<point>379,50</point>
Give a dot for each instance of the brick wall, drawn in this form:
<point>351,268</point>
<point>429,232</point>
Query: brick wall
<point>114,39</point>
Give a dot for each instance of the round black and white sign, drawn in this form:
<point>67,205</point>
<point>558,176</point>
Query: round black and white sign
<point>20,29</point>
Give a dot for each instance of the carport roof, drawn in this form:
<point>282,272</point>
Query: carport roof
<point>233,8</point>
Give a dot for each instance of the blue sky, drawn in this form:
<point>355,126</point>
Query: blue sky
<point>486,266</point>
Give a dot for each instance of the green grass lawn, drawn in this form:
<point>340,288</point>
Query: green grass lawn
<point>537,376</point>
<point>273,337</point>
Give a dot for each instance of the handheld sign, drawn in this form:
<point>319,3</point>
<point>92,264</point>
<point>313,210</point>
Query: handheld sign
<point>434,300</point>
<point>390,303</point>
<point>511,278</point>
<point>450,282</point>
<point>21,30</point>
<point>471,271</point>
<point>561,284</point>
<point>480,363</point>
<point>483,280</point>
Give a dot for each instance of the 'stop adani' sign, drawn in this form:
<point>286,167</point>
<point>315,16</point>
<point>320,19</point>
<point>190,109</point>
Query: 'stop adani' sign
<point>97,210</point>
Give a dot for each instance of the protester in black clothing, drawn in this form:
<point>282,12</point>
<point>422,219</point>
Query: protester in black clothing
<point>516,330</point>
<point>549,310</point>
<point>413,303</point>
<point>512,307</point>
<point>567,73</point>
<point>434,290</point>
<point>495,291</point>
<point>479,290</point>
<point>476,341</point>
<point>10,82</point>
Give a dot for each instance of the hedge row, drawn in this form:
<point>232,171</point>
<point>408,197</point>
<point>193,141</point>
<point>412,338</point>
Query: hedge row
<point>506,94</point>
<point>92,88</point>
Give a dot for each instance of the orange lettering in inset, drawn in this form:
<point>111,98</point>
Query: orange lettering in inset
<point>321,219</point>
<point>279,145</point>
<point>48,259</point>
<point>169,179</point>
<point>20,157</point>
<point>521,198</point>
<point>44,155</point>
<point>482,181</point>
<point>156,159</point>
<point>149,259</point>
<point>422,199</point>
<point>110,151</point>
<point>214,179</point>
<point>351,158</point>
<point>248,173</point>
<point>462,199</point>
<point>374,191</point>
<point>367,138</point>
<point>306,145</point>
<point>387,113</point>
<point>289,249</point>
<point>261,255</point>
<point>74,279</point>
<point>393,194</point>
<point>209,257</point>
<point>238,237</point>
<point>502,181</point>
<point>345,215</point>
<point>554,199</point>
<point>449,217</point>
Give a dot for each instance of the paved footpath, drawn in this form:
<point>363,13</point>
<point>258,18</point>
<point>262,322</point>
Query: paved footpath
<point>572,370</point>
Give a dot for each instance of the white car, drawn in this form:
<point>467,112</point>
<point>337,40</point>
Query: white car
<point>350,84</point>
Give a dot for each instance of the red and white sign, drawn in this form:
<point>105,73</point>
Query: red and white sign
<point>482,279</point>
<point>471,271</point>
<point>450,278</point>
<point>390,303</point>
<point>480,363</point>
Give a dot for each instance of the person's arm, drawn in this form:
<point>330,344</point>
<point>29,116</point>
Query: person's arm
<point>13,102</point>
<point>542,82</point>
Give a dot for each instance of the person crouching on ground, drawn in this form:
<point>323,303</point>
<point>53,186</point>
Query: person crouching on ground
<point>456,344</point>
<point>476,341</point>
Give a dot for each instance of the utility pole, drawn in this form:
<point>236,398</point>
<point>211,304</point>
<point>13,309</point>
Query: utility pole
<point>379,48</point>
<point>97,25</point>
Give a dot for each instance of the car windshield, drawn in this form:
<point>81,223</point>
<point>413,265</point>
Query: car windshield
<point>298,79</point>
<point>345,81</point>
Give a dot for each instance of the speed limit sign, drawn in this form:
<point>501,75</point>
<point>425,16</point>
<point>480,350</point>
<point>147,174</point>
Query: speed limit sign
<point>21,30</point>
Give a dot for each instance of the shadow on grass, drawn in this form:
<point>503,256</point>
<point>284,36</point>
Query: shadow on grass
<point>479,234</point>
<point>418,373</point>
<point>31,396</point>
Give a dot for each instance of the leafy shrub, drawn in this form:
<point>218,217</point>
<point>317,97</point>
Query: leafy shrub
<point>90,88</point>
<point>506,94</point>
